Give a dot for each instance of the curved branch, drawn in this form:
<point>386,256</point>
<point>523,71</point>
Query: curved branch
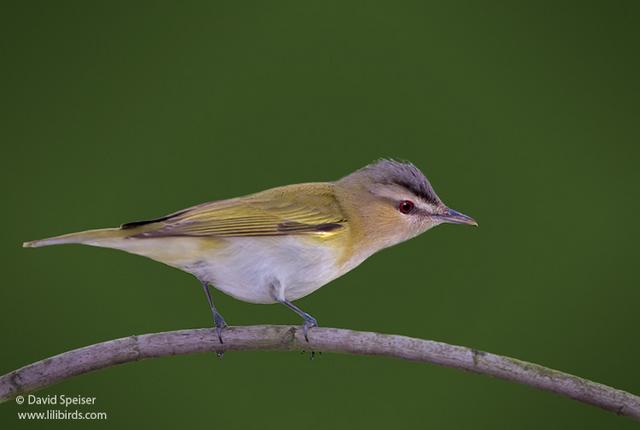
<point>266,337</point>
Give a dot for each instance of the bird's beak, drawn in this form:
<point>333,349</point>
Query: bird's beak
<point>455,217</point>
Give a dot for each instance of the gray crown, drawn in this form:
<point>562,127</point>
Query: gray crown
<point>404,174</point>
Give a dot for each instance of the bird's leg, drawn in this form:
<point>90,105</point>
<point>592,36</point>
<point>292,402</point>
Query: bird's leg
<point>309,321</point>
<point>218,321</point>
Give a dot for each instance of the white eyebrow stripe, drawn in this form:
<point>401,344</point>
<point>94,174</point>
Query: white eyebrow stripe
<point>423,206</point>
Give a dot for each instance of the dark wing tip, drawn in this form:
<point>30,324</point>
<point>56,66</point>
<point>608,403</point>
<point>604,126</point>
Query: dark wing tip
<point>134,224</point>
<point>330,226</point>
<point>297,227</point>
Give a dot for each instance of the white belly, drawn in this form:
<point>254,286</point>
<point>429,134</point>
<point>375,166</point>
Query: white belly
<point>259,269</point>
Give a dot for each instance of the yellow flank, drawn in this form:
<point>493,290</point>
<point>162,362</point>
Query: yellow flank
<point>174,251</point>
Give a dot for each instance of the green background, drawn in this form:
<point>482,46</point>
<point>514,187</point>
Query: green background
<point>524,116</point>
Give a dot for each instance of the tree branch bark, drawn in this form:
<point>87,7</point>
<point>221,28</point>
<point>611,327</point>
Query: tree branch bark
<point>287,338</point>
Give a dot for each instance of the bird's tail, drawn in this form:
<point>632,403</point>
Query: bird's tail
<point>89,237</point>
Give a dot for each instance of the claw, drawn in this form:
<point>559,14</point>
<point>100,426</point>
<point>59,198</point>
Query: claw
<point>219,331</point>
<point>220,325</point>
<point>309,322</point>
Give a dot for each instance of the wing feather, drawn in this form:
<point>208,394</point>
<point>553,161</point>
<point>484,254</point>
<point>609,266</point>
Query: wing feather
<point>310,209</point>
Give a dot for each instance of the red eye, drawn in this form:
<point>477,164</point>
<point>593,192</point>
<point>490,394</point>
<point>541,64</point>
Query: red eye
<point>406,206</point>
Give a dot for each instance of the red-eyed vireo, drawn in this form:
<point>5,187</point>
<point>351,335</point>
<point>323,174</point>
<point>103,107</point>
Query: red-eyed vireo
<point>282,244</point>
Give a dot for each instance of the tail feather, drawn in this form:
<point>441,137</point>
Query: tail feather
<point>89,237</point>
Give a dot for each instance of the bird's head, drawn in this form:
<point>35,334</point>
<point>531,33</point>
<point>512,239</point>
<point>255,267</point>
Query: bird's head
<point>393,201</point>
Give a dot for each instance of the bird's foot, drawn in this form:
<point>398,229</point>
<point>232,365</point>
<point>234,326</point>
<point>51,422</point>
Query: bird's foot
<point>220,325</point>
<point>309,323</point>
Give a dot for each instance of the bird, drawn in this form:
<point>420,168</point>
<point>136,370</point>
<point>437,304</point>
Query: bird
<point>282,244</point>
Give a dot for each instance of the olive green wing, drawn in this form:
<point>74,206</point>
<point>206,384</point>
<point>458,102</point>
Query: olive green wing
<point>309,209</point>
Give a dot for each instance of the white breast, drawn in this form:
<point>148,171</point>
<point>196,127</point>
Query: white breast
<point>256,269</point>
